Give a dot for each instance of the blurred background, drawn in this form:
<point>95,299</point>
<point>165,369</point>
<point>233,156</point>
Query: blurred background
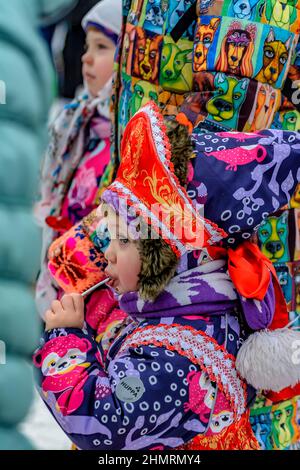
<point>41,42</point>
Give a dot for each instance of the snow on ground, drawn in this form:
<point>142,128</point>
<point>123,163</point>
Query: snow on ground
<point>42,430</point>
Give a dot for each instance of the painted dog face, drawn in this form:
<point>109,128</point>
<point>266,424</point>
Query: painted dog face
<point>146,56</point>
<point>203,40</point>
<point>261,425</point>
<point>236,50</point>
<point>282,427</point>
<point>275,57</point>
<point>143,92</point>
<point>170,103</point>
<point>156,12</point>
<point>273,235</point>
<point>172,62</point>
<point>175,73</point>
<point>229,96</point>
<point>281,14</point>
<point>267,99</point>
<point>290,120</point>
<point>243,9</point>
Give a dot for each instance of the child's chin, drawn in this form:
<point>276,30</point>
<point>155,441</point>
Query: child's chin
<point>92,89</point>
<point>93,92</point>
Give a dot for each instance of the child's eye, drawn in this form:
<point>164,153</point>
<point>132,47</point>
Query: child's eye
<point>123,241</point>
<point>101,47</point>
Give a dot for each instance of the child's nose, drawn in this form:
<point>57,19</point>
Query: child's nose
<point>87,58</point>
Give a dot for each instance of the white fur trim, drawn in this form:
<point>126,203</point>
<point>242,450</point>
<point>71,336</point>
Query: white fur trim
<point>270,360</point>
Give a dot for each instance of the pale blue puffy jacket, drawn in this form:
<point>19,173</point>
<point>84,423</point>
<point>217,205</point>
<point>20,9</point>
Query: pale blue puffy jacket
<point>26,91</point>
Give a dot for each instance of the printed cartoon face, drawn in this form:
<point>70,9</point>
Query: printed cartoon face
<point>237,50</point>
<point>237,44</point>
<point>290,120</point>
<point>109,335</point>
<point>53,364</point>
<point>282,428</point>
<point>170,103</point>
<point>229,96</point>
<point>275,56</point>
<point>173,65</point>
<point>221,421</point>
<point>244,9</point>
<point>63,364</point>
<point>173,61</point>
<point>261,425</point>
<point>156,15</point>
<point>267,100</point>
<point>281,14</point>
<point>203,39</point>
<point>202,394</point>
<point>146,60</point>
<point>62,354</point>
<point>143,92</point>
<point>273,235</point>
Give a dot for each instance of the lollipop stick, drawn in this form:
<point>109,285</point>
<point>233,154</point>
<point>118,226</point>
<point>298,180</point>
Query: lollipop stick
<point>91,289</point>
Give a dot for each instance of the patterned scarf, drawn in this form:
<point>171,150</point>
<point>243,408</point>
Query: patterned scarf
<point>67,140</point>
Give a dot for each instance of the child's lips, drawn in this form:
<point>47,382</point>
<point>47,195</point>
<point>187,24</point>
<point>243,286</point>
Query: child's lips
<point>89,76</point>
<point>112,282</point>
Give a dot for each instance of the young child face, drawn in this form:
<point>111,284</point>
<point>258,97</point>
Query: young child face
<point>124,262</point>
<point>98,60</point>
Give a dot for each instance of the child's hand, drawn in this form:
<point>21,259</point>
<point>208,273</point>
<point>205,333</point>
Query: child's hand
<point>67,313</point>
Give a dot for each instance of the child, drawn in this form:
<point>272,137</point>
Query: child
<point>169,379</point>
<point>77,163</point>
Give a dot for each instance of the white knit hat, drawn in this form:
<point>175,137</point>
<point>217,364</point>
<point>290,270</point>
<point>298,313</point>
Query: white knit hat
<point>106,14</point>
